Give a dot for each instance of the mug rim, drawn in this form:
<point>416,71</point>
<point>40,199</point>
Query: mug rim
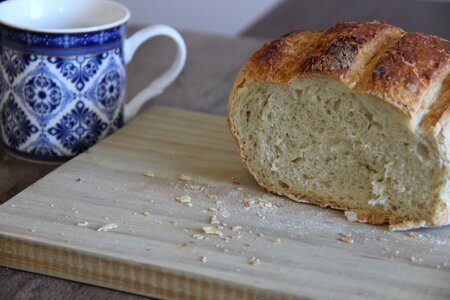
<point>74,30</point>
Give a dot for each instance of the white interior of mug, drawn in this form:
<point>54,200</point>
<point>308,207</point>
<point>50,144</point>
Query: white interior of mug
<point>63,16</point>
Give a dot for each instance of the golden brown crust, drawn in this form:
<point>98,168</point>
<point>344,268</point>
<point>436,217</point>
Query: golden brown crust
<point>337,52</point>
<point>375,58</point>
<point>407,71</point>
<point>345,49</point>
<point>278,60</point>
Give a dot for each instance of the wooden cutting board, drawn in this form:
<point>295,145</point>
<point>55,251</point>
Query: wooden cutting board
<point>269,247</point>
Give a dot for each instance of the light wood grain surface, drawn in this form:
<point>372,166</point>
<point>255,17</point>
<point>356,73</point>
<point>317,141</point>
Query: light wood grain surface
<point>41,229</point>
<point>212,63</point>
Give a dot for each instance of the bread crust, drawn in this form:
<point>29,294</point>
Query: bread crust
<point>373,58</point>
<point>408,70</point>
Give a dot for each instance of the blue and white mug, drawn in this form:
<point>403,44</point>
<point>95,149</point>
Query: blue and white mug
<point>62,74</point>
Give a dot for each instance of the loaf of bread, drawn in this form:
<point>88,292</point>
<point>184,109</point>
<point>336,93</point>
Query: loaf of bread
<point>355,118</point>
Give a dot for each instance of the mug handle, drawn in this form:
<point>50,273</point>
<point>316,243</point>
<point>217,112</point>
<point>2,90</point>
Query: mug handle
<point>157,86</point>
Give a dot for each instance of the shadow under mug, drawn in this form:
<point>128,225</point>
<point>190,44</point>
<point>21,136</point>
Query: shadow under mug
<point>62,75</point>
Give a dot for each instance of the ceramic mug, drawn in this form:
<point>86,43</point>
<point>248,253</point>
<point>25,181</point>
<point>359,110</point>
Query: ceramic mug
<point>62,74</point>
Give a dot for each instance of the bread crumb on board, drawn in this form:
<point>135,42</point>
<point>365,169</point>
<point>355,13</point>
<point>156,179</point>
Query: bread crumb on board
<point>211,230</point>
<point>254,261</point>
<point>149,174</point>
<point>214,220</point>
<point>211,196</point>
<point>183,177</point>
<point>107,227</point>
<point>412,234</point>
<point>146,213</point>
<point>183,199</point>
<point>78,180</point>
<point>248,203</point>
<point>345,234</point>
<point>203,259</point>
<point>198,237</point>
<point>236,228</point>
<point>345,239</point>
<point>265,204</point>
<point>83,224</point>
<point>194,187</point>
<point>276,241</point>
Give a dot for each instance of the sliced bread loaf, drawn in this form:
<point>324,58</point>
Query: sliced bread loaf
<point>355,118</point>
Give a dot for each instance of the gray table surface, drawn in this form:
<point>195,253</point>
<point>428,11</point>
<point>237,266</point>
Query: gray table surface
<point>204,84</point>
<point>428,16</point>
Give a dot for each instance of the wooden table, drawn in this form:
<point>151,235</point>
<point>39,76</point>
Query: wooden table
<point>203,86</point>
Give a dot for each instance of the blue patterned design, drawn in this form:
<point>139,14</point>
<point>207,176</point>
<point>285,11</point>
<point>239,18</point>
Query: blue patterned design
<point>43,92</point>
<point>79,69</point>
<point>42,147</point>
<point>79,129</point>
<point>14,63</point>
<point>108,90</point>
<point>30,39</point>
<point>17,128</point>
